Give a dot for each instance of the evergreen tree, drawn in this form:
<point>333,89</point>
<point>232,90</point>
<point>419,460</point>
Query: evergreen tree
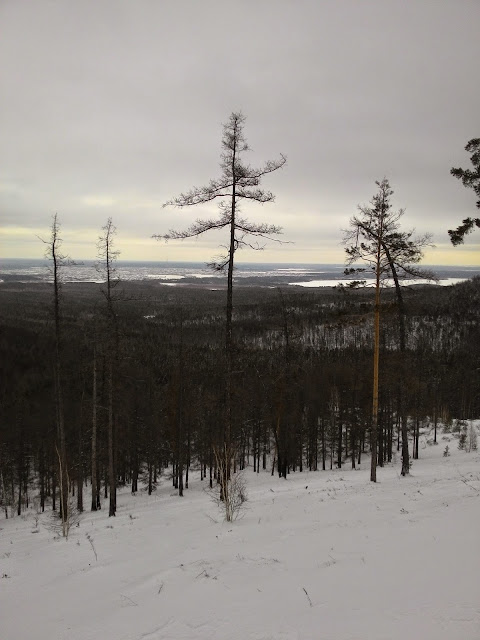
<point>470,179</point>
<point>238,183</point>
<point>378,243</point>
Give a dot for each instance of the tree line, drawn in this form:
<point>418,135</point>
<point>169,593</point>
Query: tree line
<point>149,395</point>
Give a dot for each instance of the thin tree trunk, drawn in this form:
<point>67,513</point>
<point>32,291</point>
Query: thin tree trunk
<point>402,332</point>
<point>376,360</point>
<point>95,492</point>
<point>111,446</point>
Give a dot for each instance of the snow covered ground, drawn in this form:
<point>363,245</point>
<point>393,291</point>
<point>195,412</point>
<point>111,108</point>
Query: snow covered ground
<point>322,555</point>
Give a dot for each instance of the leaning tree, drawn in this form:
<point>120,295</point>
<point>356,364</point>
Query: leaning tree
<point>375,239</point>
<point>239,182</point>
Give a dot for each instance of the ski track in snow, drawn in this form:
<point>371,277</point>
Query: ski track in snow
<point>321,555</point>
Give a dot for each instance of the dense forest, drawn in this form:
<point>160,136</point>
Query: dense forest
<point>143,382</point>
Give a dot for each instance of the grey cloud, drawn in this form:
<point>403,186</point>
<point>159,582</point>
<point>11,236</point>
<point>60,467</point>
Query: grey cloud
<point>125,101</point>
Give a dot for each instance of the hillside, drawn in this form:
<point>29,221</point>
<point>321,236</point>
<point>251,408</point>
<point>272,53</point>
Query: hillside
<point>320,555</point>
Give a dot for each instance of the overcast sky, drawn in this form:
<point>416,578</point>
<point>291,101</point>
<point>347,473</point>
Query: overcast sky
<point>110,108</point>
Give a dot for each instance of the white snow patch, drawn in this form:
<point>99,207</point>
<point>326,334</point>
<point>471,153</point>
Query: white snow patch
<point>321,555</point>
<point>371,283</point>
<point>154,276</point>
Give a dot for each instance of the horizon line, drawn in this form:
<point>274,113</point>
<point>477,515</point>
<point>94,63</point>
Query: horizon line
<point>466,266</point>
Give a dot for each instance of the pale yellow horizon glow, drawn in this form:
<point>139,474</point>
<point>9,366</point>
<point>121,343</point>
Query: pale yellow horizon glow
<point>19,242</point>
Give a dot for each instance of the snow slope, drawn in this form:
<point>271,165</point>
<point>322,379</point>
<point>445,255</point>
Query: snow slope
<point>322,555</point>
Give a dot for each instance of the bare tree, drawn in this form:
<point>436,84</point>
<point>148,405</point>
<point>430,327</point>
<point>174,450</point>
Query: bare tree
<point>470,179</point>
<point>95,489</point>
<point>58,260</point>
<point>389,253</point>
<point>239,182</point>
<point>107,256</point>
<point>233,494</point>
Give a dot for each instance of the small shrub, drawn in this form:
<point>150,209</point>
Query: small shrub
<point>472,438</point>
<point>60,527</point>
<point>231,492</point>
<point>458,425</point>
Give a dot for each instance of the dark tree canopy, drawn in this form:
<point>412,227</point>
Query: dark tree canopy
<point>399,251</point>
<point>470,179</point>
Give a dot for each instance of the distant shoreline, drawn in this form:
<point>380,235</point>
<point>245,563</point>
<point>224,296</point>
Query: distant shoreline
<point>198,275</point>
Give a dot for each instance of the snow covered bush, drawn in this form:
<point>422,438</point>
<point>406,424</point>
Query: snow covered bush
<point>458,426</point>
<point>467,440</point>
